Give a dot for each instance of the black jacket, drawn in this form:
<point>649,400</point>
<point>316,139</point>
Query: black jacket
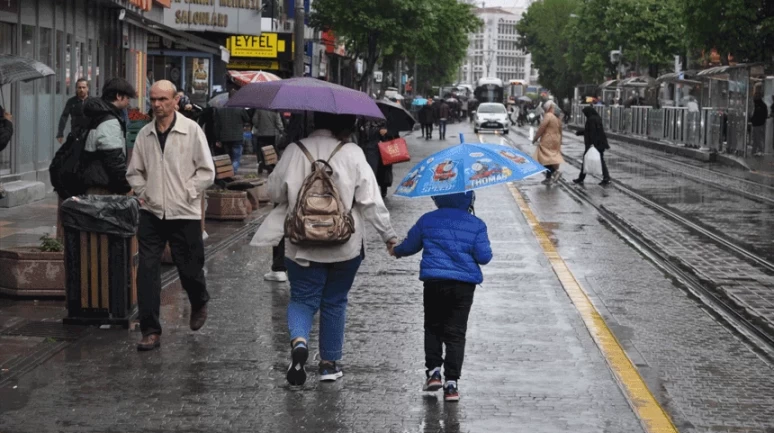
<point>73,109</point>
<point>6,132</point>
<point>593,132</point>
<point>105,167</point>
<point>426,114</point>
<point>760,113</point>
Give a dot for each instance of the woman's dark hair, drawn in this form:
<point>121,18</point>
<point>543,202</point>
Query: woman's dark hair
<point>116,87</point>
<point>339,124</point>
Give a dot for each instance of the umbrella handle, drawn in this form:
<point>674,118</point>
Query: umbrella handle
<point>462,138</point>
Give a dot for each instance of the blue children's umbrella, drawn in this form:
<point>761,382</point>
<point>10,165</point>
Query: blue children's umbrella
<point>419,101</point>
<point>466,167</point>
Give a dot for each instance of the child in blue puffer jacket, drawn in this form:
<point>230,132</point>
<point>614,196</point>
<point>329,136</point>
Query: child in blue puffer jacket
<point>455,244</point>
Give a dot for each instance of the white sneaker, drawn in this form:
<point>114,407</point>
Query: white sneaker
<point>280,277</point>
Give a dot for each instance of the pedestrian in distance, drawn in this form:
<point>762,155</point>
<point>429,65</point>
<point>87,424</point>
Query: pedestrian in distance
<point>230,129</point>
<point>427,118</point>
<point>104,157</point>
<point>321,275</point>
<point>74,110</point>
<point>549,152</point>
<point>267,131</point>
<point>593,134</point>
<point>444,111</point>
<point>170,197</point>
<point>454,245</point>
<point>758,121</point>
<point>6,133</point>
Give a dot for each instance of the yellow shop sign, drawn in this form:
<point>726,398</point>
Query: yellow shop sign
<point>266,45</point>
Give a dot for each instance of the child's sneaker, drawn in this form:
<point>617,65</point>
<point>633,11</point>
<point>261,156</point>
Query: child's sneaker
<point>296,374</point>
<point>329,371</point>
<point>433,382</point>
<point>450,391</point>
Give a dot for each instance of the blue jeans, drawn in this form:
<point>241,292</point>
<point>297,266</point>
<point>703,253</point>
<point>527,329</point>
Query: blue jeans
<point>442,128</point>
<point>234,149</point>
<point>324,287</point>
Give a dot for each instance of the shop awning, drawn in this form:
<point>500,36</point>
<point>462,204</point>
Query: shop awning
<point>643,81</point>
<point>608,83</point>
<point>755,69</point>
<point>177,36</point>
<point>683,77</point>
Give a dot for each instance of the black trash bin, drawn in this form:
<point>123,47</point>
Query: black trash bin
<point>101,259</point>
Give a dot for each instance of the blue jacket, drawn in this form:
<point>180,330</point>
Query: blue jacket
<point>455,243</point>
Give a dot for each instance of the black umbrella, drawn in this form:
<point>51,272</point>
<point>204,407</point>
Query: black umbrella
<point>398,118</point>
<point>15,68</point>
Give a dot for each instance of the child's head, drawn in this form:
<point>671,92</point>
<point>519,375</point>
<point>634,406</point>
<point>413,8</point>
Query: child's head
<point>460,200</point>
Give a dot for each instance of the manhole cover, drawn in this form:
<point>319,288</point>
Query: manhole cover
<point>53,330</point>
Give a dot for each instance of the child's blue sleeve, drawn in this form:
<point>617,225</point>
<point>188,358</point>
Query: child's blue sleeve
<point>413,242</point>
<point>482,251</point>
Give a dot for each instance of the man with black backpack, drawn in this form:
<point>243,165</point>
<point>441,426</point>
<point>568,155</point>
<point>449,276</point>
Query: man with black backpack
<point>93,159</point>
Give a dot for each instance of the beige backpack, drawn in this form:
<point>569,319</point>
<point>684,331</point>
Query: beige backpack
<point>319,217</point>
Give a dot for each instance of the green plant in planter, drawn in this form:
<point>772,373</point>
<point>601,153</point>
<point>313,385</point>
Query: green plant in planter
<point>50,245</point>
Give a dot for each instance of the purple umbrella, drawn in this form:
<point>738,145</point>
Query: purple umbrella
<point>305,94</point>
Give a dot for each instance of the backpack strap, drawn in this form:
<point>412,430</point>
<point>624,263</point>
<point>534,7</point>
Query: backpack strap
<point>311,158</point>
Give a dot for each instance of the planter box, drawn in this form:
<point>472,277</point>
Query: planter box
<point>228,205</point>
<point>29,272</point>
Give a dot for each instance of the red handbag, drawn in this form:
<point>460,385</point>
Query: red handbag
<point>394,151</point>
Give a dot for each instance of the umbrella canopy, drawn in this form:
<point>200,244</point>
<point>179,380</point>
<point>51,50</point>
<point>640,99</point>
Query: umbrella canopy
<point>15,68</point>
<point>246,77</point>
<point>219,101</point>
<point>419,101</point>
<point>525,99</point>
<point>398,118</point>
<point>465,167</point>
<point>305,94</point>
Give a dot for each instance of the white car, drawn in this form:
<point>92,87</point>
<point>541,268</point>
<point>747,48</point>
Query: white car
<point>491,116</point>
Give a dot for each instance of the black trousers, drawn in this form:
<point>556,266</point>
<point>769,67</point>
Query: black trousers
<point>428,130</point>
<point>605,173</point>
<point>278,257</point>
<point>447,306</point>
<point>185,242</point>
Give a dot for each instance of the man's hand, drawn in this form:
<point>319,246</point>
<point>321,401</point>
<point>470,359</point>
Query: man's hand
<point>60,139</point>
<point>218,144</point>
<point>383,131</point>
<point>188,107</point>
<point>8,116</point>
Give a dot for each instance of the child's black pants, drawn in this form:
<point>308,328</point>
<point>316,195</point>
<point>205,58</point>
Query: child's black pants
<point>447,306</point>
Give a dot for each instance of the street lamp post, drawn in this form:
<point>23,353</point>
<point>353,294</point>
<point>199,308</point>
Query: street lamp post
<point>298,38</point>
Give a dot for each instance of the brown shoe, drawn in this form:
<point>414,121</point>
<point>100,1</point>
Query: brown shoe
<point>198,317</point>
<point>149,342</point>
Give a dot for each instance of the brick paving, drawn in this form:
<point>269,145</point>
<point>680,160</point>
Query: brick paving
<point>530,366</point>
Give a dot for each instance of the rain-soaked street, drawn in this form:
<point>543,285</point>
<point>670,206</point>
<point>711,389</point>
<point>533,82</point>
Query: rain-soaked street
<point>534,362</point>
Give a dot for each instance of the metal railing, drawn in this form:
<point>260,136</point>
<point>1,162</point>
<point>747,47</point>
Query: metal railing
<point>676,125</point>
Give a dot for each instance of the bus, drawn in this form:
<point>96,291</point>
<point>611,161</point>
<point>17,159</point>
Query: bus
<point>517,89</point>
<point>489,90</point>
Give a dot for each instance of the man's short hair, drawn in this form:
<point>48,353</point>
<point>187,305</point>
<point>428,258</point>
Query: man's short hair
<point>81,80</point>
<point>116,87</point>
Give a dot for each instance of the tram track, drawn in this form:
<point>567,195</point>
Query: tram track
<point>760,336</point>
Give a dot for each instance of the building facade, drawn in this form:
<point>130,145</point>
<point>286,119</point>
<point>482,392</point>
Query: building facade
<point>78,39</point>
<point>493,51</point>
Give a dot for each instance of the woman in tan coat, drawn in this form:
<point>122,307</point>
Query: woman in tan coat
<point>549,151</point>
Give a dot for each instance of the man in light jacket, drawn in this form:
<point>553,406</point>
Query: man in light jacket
<point>170,169</point>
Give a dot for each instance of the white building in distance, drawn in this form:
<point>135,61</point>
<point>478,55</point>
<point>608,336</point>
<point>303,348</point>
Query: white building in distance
<point>493,51</point>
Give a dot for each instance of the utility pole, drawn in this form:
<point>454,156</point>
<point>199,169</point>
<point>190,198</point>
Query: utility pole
<point>298,39</point>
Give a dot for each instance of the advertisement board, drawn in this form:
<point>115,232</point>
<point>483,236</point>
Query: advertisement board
<point>222,16</point>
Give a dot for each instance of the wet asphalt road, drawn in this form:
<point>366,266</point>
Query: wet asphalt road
<point>531,366</point>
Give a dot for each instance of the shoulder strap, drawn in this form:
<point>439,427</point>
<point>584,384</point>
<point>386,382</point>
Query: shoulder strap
<point>336,150</point>
<point>306,152</point>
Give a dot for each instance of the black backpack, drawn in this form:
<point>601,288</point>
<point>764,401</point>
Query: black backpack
<point>66,168</point>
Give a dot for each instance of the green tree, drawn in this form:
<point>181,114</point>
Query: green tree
<point>542,31</point>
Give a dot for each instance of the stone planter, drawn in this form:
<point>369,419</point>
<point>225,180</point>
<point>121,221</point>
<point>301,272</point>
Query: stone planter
<point>228,205</point>
<point>30,272</point>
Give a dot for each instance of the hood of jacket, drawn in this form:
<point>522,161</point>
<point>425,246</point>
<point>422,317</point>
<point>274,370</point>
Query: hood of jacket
<point>460,200</point>
<point>94,107</point>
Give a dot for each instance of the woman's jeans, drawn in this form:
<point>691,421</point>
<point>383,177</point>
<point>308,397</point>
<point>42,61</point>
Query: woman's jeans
<point>324,287</point>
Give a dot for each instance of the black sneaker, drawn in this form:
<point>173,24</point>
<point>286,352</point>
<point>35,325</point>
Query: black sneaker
<point>605,182</point>
<point>329,371</point>
<point>577,182</point>
<point>450,391</point>
<point>433,382</point>
<point>296,374</point>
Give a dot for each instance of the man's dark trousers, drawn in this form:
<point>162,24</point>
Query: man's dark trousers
<point>185,241</point>
<point>447,306</point>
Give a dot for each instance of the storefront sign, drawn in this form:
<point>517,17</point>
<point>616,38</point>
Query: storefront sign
<point>145,5</point>
<point>266,46</point>
<point>253,65</point>
<point>224,16</point>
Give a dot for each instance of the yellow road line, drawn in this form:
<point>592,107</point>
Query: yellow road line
<point>652,416</point>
